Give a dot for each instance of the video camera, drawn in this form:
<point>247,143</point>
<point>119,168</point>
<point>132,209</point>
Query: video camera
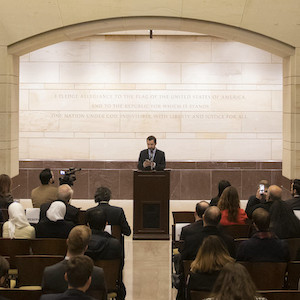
<point>68,176</point>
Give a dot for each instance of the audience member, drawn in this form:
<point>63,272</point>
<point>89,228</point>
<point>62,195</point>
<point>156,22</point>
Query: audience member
<point>78,275</point>
<point>264,245</point>
<point>77,242</point>
<point>5,191</point>
<point>64,194</point>
<point>17,226</point>
<point>210,259</point>
<point>229,204</point>
<point>102,245</point>
<point>45,192</point>
<point>234,283</point>
<point>211,219</point>
<point>4,268</point>
<point>54,225</point>
<point>259,197</point>
<point>115,215</point>
<point>294,203</point>
<point>198,224</point>
<point>223,184</point>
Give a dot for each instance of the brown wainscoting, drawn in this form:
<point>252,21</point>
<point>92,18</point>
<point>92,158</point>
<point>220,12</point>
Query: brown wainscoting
<point>190,180</point>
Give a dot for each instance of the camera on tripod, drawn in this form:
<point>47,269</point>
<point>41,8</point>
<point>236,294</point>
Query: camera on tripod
<point>68,176</point>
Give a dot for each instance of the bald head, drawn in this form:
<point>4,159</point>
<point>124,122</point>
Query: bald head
<point>274,193</point>
<point>212,216</point>
<point>64,193</point>
<point>201,207</point>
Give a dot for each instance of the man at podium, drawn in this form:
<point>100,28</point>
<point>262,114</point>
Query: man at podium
<point>151,158</point>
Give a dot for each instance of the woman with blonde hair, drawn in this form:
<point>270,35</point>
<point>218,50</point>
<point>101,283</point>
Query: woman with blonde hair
<point>17,226</point>
<point>234,283</point>
<point>229,205</point>
<point>5,191</point>
<point>210,259</point>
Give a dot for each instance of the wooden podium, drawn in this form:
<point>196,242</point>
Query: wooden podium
<point>151,194</point>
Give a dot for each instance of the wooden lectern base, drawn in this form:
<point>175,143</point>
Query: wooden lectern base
<point>151,236</point>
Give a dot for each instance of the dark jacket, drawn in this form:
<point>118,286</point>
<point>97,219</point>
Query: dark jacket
<point>294,203</point>
<point>103,246</point>
<point>5,201</point>
<point>191,229</point>
<point>214,201</point>
<point>49,229</point>
<point>72,212</point>
<point>53,278</point>
<point>70,294</point>
<point>115,216</point>
<point>159,159</point>
<point>264,247</point>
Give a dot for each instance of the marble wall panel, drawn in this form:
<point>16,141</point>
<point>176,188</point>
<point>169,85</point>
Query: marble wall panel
<point>150,73</point>
<point>126,184</point>
<point>57,148</point>
<point>238,52</point>
<point>65,51</point>
<point>23,99</point>
<point>89,72</point>
<point>180,51</point>
<point>119,51</point>
<point>277,149</point>
<point>277,100</point>
<point>39,72</point>
<point>240,149</point>
<point>175,186</point>
<point>262,122</point>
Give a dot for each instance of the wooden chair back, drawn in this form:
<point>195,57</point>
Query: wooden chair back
<point>82,217</point>
<point>238,231</point>
<point>51,246</point>
<point>237,242</point>
<point>293,275</point>
<point>183,217</point>
<point>186,268</point>
<point>13,247</point>
<point>281,294</point>
<point>294,248</point>
<point>20,294</point>
<point>267,275</point>
<point>112,273</point>
<point>31,267</point>
<point>199,295</point>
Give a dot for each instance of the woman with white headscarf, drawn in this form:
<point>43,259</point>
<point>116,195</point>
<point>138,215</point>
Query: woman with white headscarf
<point>17,226</point>
<point>54,225</point>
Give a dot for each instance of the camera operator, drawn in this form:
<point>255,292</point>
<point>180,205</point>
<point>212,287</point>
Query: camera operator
<point>69,176</point>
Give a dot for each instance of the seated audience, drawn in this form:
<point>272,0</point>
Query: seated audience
<point>102,245</point>
<point>229,204</point>
<point>210,259</point>
<point>294,203</point>
<point>45,192</point>
<point>234,283</point>
<point>115,215</point>
<point>77,242</point>
<point>64,194</point>
<point>259,197</point>
<point>198,224</point>
<point>223,184</point>
<point>4,268</point>
<point>54,225</point>
<point>17,226</point>
<point>5,191</point>
<point>264,245</point>
<point>78,275</point>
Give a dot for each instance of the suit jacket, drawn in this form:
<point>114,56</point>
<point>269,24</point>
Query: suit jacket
<point>193,242</point>
<point>103,246</point>
<point>294,203</point>
<point>115,216</point>
<point>49,229</point>
<point>54,281</point>
<point>263,246</point>
<point>191,229</point>
<point>72,212</point>
<point>70,294</point>
<point>159,159</point>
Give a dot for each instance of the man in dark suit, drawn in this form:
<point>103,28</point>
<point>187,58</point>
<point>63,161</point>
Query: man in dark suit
<point>64,194</point>
<point>151,158</point>
<point>294,203</point>
<point>53,277</point>
<point>115,215</point>
<point>78,275</point>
